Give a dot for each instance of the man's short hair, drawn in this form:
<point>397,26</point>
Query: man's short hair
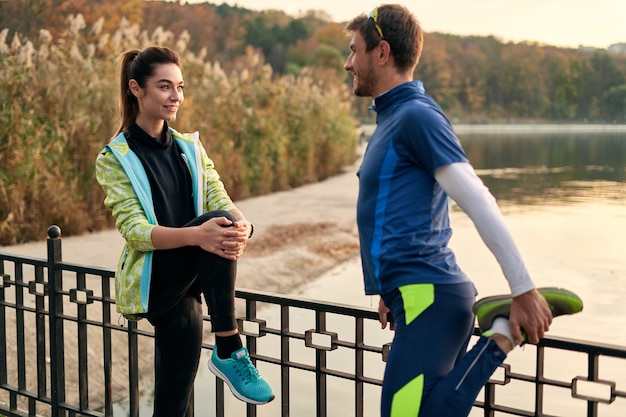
<point>399,28</point>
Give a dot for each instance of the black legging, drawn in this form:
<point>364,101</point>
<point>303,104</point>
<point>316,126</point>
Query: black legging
<point>178,332</point>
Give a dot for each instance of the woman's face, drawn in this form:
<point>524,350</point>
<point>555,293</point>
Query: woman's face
<point>161,97</point>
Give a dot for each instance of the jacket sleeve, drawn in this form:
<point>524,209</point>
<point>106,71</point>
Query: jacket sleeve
<point>216,197</point>
<point>462,184</point>
<point>130,218</point>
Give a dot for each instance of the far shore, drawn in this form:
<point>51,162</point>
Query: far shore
<point>368,129</point>
<point>538,128</point>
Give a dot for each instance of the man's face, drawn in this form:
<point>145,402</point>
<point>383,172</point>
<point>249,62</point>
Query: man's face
<point>360,64</point>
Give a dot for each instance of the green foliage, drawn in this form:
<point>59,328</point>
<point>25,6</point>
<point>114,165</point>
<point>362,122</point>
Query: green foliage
<point>481,78</point>
<point>265,133</point>
<point>273,39</point>
<point>328,56</point>
<point>614,103</point>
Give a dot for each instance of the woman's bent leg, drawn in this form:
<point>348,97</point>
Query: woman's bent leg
<point>230,361</point>
<point>217,277</point>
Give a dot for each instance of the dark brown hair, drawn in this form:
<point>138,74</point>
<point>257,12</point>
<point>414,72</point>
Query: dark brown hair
<point>400,29</point>
<point>139,66</point>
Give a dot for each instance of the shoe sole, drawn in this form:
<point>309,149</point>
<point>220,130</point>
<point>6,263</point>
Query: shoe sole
<point>560,301</point>
<point>236,393</point>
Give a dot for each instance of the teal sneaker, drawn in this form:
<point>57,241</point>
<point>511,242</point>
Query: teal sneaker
<point>560,301</point>
<point>241,376</point>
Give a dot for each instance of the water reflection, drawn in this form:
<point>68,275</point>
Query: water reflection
<point>545,168</point>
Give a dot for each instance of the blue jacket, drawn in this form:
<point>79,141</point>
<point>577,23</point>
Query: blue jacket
<point>402,212</point>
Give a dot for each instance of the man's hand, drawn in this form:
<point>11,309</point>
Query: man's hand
<point>530,312</point>
<point>383,315</point>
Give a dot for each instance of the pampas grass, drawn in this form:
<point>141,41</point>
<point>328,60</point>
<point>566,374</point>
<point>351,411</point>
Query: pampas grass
<point>59,95</point>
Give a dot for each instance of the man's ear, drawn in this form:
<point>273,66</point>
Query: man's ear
<point>134,88</point>
<point>384,52</point>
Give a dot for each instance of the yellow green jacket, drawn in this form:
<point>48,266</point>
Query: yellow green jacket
<point>128,194</point>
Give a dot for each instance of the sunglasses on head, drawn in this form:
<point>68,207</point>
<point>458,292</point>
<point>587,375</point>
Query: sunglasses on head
<point>374,16</point>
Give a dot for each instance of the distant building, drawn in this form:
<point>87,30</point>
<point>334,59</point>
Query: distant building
<point>583,48</point>
<point>617,48</point>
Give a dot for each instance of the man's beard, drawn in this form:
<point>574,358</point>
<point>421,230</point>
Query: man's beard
<point>366,82</point>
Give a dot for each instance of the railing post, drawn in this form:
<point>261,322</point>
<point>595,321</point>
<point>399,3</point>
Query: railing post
<point>321,384</point>
<point>592,372</point>
<point>55,302</point>
<point>285,357</point>
<point>490,400</point>
<point>3,328</point>
<point>133,369</point>
<point>251,345</point>
<point>359,365</point>
<point>539,369</point>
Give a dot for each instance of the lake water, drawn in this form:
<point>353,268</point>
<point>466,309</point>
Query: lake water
<point>563,193</point>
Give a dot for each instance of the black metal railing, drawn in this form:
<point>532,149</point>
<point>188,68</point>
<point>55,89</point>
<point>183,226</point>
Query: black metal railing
<point>64,351</point>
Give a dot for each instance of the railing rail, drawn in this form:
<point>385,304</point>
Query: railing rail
<point>65,352</point>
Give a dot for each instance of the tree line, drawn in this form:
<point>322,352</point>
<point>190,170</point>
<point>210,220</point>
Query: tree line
<point>484,78</point>
<point>474,78</point>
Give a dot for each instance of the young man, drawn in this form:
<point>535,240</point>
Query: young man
<point>412,164</point>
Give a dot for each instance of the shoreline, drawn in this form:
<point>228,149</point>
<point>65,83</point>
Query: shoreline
<point>539,128</point>
<point>518,128</point>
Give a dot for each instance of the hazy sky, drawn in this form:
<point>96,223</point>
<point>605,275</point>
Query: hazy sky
<point>568,23</point>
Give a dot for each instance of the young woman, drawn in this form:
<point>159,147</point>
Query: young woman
<point>183,235</point>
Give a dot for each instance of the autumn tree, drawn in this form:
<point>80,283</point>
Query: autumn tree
<point>29,16</point>
<point>25,17</point>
